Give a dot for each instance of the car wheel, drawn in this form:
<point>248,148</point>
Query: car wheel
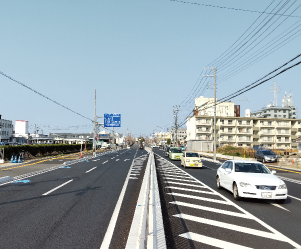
<point>218,183</point>
<point>235,192</point>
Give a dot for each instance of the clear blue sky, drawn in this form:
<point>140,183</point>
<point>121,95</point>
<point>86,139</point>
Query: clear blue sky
<point>142,57</point>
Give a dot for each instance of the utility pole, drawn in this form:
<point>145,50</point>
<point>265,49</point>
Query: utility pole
<point>175,111</point>
<point>95,133</point>
<point>214,120</point>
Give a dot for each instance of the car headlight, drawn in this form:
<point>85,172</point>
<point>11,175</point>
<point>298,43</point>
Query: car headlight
<point>187,160</point>
<point>244,184</point>
<point>282,186</point>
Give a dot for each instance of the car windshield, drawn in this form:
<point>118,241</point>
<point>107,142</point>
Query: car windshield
<point>192,155</point>
<point>251,168</point>
<point>268,152</point>
<point>176,150</point>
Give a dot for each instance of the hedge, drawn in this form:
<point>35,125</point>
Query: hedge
<point>41,149</point>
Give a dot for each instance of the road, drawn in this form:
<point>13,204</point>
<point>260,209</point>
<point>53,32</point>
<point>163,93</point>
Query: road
<point>198,215</point>
<point>72,207</point>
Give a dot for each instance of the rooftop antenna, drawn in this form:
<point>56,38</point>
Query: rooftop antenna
<point>275,89</point>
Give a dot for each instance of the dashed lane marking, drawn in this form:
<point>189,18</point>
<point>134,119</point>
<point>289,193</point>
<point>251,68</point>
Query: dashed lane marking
<point>50,191</point>
<point>212,241</point>
<point>105,162</point>
<point>117,160</point>
<point>289,179</point>
<point>90,170</point>
<point>182,180</point>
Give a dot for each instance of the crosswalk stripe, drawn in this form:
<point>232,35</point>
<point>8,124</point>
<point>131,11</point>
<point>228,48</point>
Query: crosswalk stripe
<point>211,241</point>
<point>192,190</point>
<point>230,226</point>
<point>200,198</point>
<point>289,179</point>
<point>185,184</point>
<point>215,210</point>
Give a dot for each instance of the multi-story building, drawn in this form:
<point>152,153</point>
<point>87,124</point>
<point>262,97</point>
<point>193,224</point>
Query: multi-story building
<point>6,130</point>
<point>162,137</point>
<point>287,110</point>
<point>180,136</point>
<point>246,131</point>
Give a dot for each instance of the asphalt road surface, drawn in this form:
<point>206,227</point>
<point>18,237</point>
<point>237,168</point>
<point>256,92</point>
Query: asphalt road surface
<point>72,207</point>
<point>198,215</point>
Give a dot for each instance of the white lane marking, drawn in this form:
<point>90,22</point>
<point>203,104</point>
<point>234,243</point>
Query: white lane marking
<point>277,205</point>
<point>90,170</point>
<point>112,157</point>
<point>126,159</point>
<point>177,176</point>
<point>135,174</point>
<point>94,160</point>
<point>133,178</point>
<point>57,187</point>
<point>215,210</point>
<point>105,162</point>
<point>280,235</point>
<point>191,190</point>
<point>289,179</point>
<point>117,160</point>
<point>294,197</point>
<point>185,184</point>
<point>109,233</point>
<point>172,172</point>
<point>182,180</point>
<point>200,198</point>
<point>229,226</point>
<point>211,241</point>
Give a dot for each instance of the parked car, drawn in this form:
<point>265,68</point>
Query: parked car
<point>175,153</point>
<point>250,179</point>
<point>182,147</point>
<point>191,159</point>
<point>266,156</point>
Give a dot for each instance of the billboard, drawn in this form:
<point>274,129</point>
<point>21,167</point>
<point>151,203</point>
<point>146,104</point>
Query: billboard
<point>112,120</point>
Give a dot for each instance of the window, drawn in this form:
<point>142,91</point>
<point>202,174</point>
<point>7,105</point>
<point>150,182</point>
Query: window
<point>222,121</point>
<point>275,116</point>
<point>284,116</point>
<point>229,129</point>
<point>230,122</point>
<point>261,121</point>
<point>270,122</point>
<point>248,122</point>
<point>240,122</point>
<point>275,111</point>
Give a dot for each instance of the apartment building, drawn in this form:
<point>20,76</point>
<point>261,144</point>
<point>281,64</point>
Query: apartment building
<point>246,131</point>
<point>6,130</point>
<point>162,137</point>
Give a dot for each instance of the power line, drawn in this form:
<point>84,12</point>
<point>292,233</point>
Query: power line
<point>229,8</point>
<point>44,96</point>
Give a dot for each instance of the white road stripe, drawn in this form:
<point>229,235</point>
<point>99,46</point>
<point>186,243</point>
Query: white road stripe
<point>185,184</point>
<point>105,162</point>
<point>211,241</point>
<point>200,198</point>
<point>192,190</point>
<point>182,180</point>
<point>177,176</point>
<point>117,160</point>
<point>57,187</point>
<point>215,210</point>
<point>289,179</point>
<point>294,197</point>
<point>90,169</point>
<point>133,178</point>
<point>277,205</point>
<point>230,226</point>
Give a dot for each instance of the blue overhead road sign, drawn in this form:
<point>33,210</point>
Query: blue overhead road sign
<point>112,120</point>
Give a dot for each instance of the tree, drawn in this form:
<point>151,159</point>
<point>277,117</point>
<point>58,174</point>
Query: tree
<point>168,141</point>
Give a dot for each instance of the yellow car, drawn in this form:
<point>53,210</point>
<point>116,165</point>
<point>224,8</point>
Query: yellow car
<point>175,153</point>
<point>191,159</point>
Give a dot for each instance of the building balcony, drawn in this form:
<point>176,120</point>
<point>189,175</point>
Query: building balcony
<point>204,123</point>
<point>244,124</point>
<point>283,133</point>
<point>255,128</point>
<point>283,141</point>
<point>268,133</point>
<point>203,131</point>
<point>266,125</point>
<point>245,132</point>
<point>294,129</point>
<point>256,136</point>
<point>227,132</point>
<point>244,140</point>
<point>229,124</point>
<point>283,125</point>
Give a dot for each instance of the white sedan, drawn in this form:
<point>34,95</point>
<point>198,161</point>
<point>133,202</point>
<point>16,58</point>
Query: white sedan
<point>250,179</point>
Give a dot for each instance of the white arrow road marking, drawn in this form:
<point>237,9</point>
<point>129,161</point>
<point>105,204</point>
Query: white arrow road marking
<point>57,187</point>
<point>211,241</point>
<point>90,170</point>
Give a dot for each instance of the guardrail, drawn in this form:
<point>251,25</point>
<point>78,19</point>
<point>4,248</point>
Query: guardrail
<point>147,230</point>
